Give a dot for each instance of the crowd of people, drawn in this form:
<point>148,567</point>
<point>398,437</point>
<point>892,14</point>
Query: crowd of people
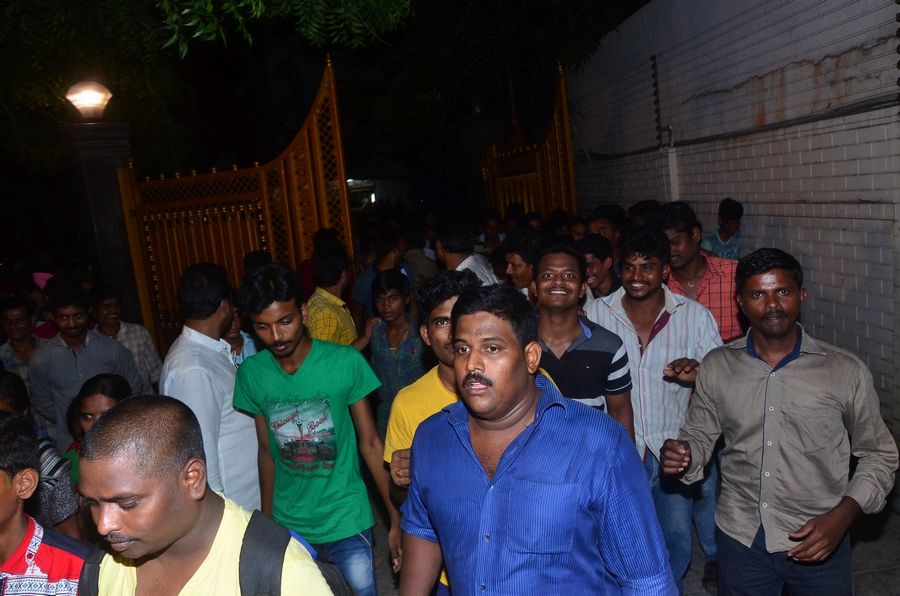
<point>542,405</point>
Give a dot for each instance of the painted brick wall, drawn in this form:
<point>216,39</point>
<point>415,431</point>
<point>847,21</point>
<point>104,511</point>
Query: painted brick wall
<point>627,180</point>
<point>823,191</point>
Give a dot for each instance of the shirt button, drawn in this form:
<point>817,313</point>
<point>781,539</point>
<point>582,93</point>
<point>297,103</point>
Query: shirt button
<point>487,537</point>
<point>769,443</point>
<point>481,587</point>
<point>767,474</point>
<point>765,504</point>
<point>772,375</point>
<point>490,488</point>
<point>771,408</point>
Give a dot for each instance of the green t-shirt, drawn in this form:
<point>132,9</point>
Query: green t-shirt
<point>319,492</point>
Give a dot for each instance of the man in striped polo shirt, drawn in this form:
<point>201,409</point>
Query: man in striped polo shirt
<point>588,363</point>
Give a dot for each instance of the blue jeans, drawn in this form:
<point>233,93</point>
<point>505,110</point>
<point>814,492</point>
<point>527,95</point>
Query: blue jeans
<point>705,508</point>
<point>673,501</point>
<point>353,556</point>
<point>756,572</point>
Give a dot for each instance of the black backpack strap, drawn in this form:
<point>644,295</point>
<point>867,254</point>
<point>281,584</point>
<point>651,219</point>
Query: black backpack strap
<point>89,580</point>
<point>262,556</point>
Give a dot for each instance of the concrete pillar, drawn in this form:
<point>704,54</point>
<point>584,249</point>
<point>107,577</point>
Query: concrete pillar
<point>99,149</point>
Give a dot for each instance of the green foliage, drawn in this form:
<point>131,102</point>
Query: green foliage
<point>345,23</point>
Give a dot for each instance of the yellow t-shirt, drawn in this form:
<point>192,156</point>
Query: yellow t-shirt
<point>413,404</point>
<point>218,574</point>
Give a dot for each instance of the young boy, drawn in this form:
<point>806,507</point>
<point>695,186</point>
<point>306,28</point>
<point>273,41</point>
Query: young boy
<point>35,561</point>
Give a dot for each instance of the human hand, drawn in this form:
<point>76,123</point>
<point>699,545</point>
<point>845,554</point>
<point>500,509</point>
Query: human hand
<point>395,546</point>
<point>370,324</point>
<point>683,370</point>
<point>400,467</point>
<point>675,456</point>
<point>821,535</point>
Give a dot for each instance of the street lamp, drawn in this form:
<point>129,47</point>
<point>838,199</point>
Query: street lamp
<point>99,150</point>
<point>90,98</point>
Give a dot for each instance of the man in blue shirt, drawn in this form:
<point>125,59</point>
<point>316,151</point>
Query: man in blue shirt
<point>518,489</point>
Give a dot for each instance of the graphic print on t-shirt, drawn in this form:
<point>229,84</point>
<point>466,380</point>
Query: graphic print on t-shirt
<point>304,434</point>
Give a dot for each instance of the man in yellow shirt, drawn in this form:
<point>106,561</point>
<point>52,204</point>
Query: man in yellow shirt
<point>143,473</point>
<point>328,317</point>
<point>435,389</point>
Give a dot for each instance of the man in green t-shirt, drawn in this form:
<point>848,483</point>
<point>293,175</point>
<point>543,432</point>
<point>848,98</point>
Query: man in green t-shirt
<point>309,401</point>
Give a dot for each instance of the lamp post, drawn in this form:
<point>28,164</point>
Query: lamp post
<point>99,150</point>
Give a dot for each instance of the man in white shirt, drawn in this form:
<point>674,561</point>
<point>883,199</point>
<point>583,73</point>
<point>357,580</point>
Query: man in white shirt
<point>199,371</point>
<point>455,248</point>
<point>666,336</point>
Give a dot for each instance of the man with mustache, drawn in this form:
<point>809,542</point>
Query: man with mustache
<point>791,409</point>
<point>666,336</point>
<point>518,489</point>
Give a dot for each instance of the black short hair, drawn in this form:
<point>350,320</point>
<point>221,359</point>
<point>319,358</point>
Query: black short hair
<point>13,392</point>
<point>612,213</point>
<point>730,209</point>
<point>159,433</point>
<point>256,259</point>
<point>456,236</point>
<point>202,289</point>
<point>597,245</point>
<point>442,287</point>
<point>328,262</point>
<point>504,302</point>
<point>105,292</point>
<point>767,259</point>
<point>647,242</point>
<point>110,385</point>
<point>18,444</point>
<point>389,279</point>
<point>678,216</point>
<point>561,247</point>
<point>15,301</point>
<point>643,213</point>
<point>64,291</point>
<point>525,243</point>
<point>268,284</point>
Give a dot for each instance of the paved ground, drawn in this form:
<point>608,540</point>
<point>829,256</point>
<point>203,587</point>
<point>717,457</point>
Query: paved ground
<point>876,559</point>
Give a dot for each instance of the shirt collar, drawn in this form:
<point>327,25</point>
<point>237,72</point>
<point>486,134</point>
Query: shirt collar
<point>550,397</point>
<point>58,338</point>
<point>219,345</point>
<point>672,301</point>
<point>328,297</point>
<point>805,344</point>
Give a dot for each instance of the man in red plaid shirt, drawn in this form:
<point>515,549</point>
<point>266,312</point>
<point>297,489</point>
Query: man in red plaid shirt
<point>702,277</point>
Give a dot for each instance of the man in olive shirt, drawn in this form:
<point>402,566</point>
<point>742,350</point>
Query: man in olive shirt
<point>787,405</point>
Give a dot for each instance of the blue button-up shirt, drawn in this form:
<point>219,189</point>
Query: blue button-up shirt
<point>568,509</point>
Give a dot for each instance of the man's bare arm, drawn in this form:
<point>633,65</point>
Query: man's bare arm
<point>266,465</point>
<point>421,565</point>
<point>619,407</point>
<point>372,450</point>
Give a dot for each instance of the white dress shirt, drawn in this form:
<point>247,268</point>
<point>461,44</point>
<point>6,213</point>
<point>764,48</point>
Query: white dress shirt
<point>200,372</point>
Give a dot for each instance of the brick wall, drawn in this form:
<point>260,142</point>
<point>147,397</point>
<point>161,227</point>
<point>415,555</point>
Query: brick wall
<point>822,191</point>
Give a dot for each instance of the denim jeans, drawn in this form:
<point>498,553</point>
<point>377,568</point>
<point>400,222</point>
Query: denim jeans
<point>756,572</point>
<point>353,556</point>
<point>705,507</point>
<point>674,502</point>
